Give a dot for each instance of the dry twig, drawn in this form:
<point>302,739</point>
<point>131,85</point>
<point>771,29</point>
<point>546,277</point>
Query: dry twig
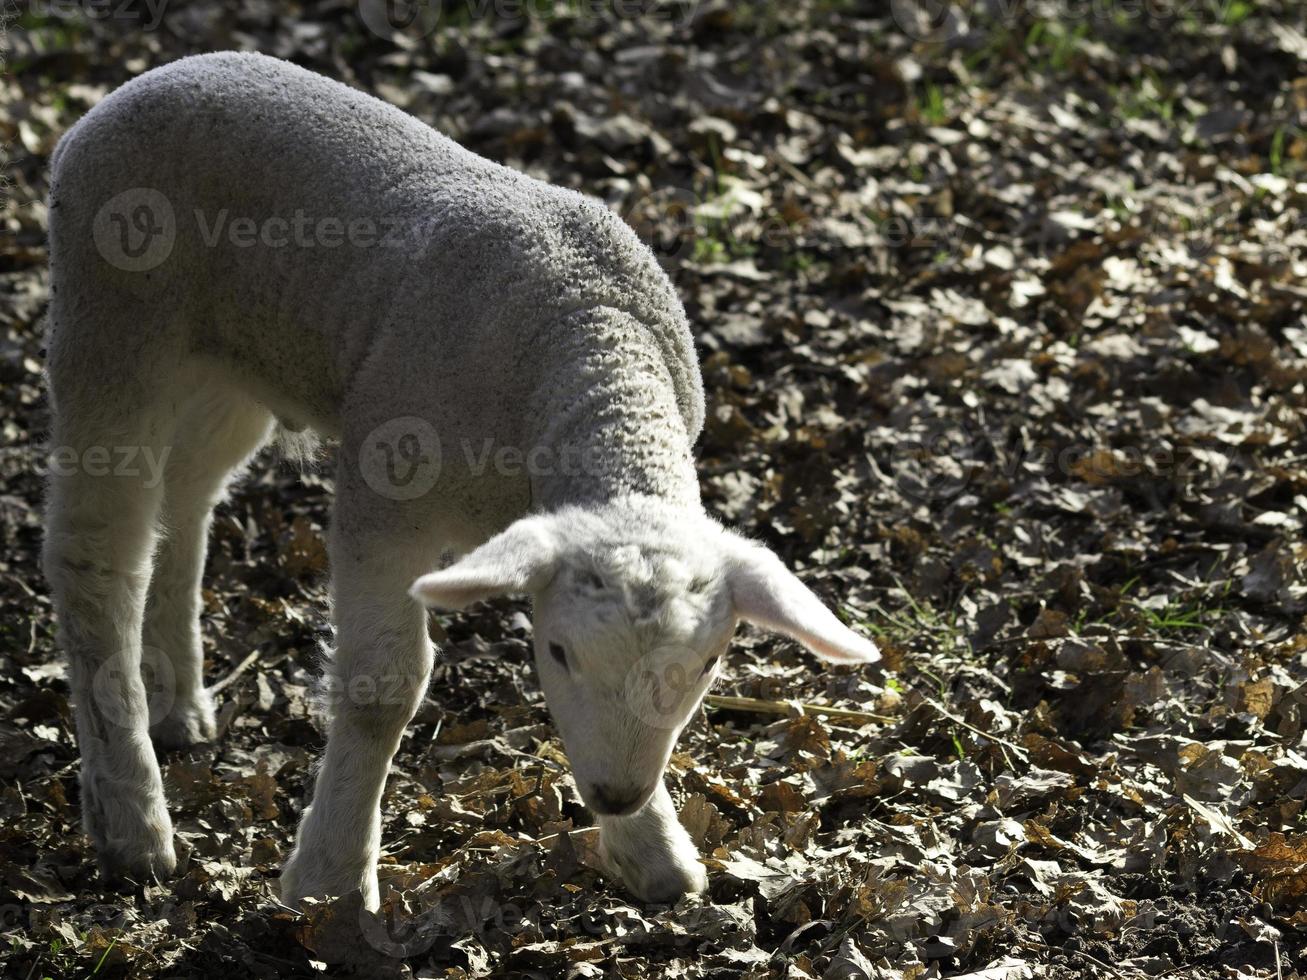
<point>763,707</point>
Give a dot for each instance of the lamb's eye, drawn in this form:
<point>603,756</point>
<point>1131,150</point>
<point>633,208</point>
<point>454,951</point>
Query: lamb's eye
<point>707,668</point>
<point>558,653</point>
<point>591,580</point>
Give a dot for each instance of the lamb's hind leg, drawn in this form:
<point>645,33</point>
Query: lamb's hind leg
<point>98,543</point>
<point>219,430</point>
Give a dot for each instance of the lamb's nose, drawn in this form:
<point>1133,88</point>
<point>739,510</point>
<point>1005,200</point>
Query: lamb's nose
<point>616,801</point>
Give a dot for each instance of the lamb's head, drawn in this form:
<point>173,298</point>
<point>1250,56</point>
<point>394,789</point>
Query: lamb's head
<point>635,603</point>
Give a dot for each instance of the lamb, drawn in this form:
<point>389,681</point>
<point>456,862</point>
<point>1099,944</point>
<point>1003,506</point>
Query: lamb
<point>220,272</point>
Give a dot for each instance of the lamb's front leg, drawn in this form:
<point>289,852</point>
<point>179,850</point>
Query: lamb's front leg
<point>652,852</point>
<point>377,679</point>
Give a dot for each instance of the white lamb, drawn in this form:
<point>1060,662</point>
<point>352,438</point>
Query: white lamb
<point>237,241</point>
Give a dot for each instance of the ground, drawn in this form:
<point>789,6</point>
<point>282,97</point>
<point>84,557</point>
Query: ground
<point>1001,316</point>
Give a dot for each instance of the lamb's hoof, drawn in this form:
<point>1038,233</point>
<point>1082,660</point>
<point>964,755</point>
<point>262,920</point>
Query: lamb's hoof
<point>129,827</point>
<point>291,889</point>
<point>138,861</point>
<point>659,878</point>
<point>187,724</point>
<point>295,886</point>
<point>139,845</point>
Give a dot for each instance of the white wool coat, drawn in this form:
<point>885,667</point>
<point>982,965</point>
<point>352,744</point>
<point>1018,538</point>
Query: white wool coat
<point>348,265</point>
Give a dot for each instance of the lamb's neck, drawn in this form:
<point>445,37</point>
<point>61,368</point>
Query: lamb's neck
<point>612,431</point>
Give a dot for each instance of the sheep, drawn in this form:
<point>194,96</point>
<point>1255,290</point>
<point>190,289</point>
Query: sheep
<point>220,273</point>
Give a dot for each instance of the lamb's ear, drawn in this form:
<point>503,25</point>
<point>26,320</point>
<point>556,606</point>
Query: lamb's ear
<point>521,559</point>
<point>768,594</point>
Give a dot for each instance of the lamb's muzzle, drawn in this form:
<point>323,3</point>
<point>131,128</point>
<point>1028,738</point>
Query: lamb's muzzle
<point>191,308</point>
